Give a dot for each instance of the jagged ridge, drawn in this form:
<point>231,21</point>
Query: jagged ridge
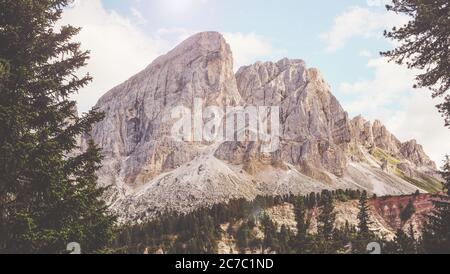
<point>321,148</point>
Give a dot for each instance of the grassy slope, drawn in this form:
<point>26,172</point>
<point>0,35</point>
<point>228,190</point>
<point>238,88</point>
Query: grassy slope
<point>424,181</point>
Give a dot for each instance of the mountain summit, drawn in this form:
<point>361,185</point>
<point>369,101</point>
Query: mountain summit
<point>320,147</point>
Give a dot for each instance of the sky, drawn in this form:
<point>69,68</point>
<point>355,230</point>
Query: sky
<point>340,38</point>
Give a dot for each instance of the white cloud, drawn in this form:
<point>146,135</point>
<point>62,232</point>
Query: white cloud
<point>250,47</point>
<point>407,113</point>
<point>359,22</point>
<point>366,53</point>
<point>180,7</point>
<point>420,120</point>
<point>139,18</point>
<point>118,49</point>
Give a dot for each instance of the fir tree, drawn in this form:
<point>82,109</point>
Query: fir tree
<point>436,236</point>
<point>48,196</point>
<point>327,216</point>
<point>284,240</point>
<point>423,44</point>
<point>408,211</point>
<point>404,243</point>
<point>270,233</point>
<point>364,235</point>
<point>325,225</point>
<point>242,236</point>
<point>303,224</point>
<point>363,217</point>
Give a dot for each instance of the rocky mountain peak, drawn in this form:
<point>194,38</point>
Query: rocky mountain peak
<point>320,147</point>
<point>376,135</point>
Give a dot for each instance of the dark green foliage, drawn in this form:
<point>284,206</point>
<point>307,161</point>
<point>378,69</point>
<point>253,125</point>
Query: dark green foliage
<point>179,234</point>
<point>364,235</point>
<point>408,212</point>
<point>436,236</point>
<point>303,224</point>
<point>403,243</point>
<point>48,194</point>
<point>172,233</point>
<point>424,45</point>
<point>327,216</point>
<point>363,217</point>
<point>270,233</point>
<point>324,242</point>
<point>243,236</point>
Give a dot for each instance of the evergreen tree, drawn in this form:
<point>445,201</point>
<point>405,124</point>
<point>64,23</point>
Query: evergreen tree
<point>325,225</point>
<point>424,43</point>
<point>270,233</point>
<point>365,235</point>
<point>284,240</point>
<point>327,216</point>
<point>303,224</point>
<point>242,236</point>
<point>408,211</point>
<point>404,243</point>
<point>48,196</point>
<point>436,236</point>
<point>363,217</point>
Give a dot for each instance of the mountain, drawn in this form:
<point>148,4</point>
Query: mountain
<point>319,146</point>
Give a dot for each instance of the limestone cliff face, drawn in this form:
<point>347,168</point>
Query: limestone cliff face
<point>135,135</point>
<point>320,147</point>
<point>377,136</point>
<point>314,127</point>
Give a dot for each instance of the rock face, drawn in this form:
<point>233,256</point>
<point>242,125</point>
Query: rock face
<point>319,148</point>
<point>136,133</point>
<point>314,127</point>
<point>377,136</point>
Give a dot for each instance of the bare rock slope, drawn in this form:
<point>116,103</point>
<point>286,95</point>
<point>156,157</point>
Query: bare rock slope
<point>320,147</point>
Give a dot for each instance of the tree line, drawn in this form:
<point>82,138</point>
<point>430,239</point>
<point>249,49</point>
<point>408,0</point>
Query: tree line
<point>199,232</point>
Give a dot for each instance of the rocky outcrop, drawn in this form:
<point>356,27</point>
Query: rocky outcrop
<point>415,153</point>
<point>377,136</point>
<point>136,132</point>
<point>314,127</point>
<point>150,171</point>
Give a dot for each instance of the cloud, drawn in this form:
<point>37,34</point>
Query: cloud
<point>250,47</point>
<point>118,48</point>
<point>420,120</point>
<point>180,7</point>
<point>359,22</point>
<point>406,112</point>
<point>139,18</point>
<point>366,53</point>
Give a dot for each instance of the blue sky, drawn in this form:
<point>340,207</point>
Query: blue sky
<point>291,25</point>
<point>340,38</point>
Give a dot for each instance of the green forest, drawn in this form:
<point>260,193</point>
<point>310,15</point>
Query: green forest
<point>200,231</point>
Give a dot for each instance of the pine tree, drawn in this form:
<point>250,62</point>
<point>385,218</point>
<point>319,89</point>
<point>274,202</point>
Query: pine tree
<point>327,216</point>
<point>48,196</point>
<point>303,224</point>
<point>404,243</point>
<point>325,225</point>
<point>436,236</point>
<point>363,217</point>
<point>423,44</point>
<point>365,235</point>
<point>408,211</point>
<point>284,240</point>
<point>270,232</point>
<point>242,236</point>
